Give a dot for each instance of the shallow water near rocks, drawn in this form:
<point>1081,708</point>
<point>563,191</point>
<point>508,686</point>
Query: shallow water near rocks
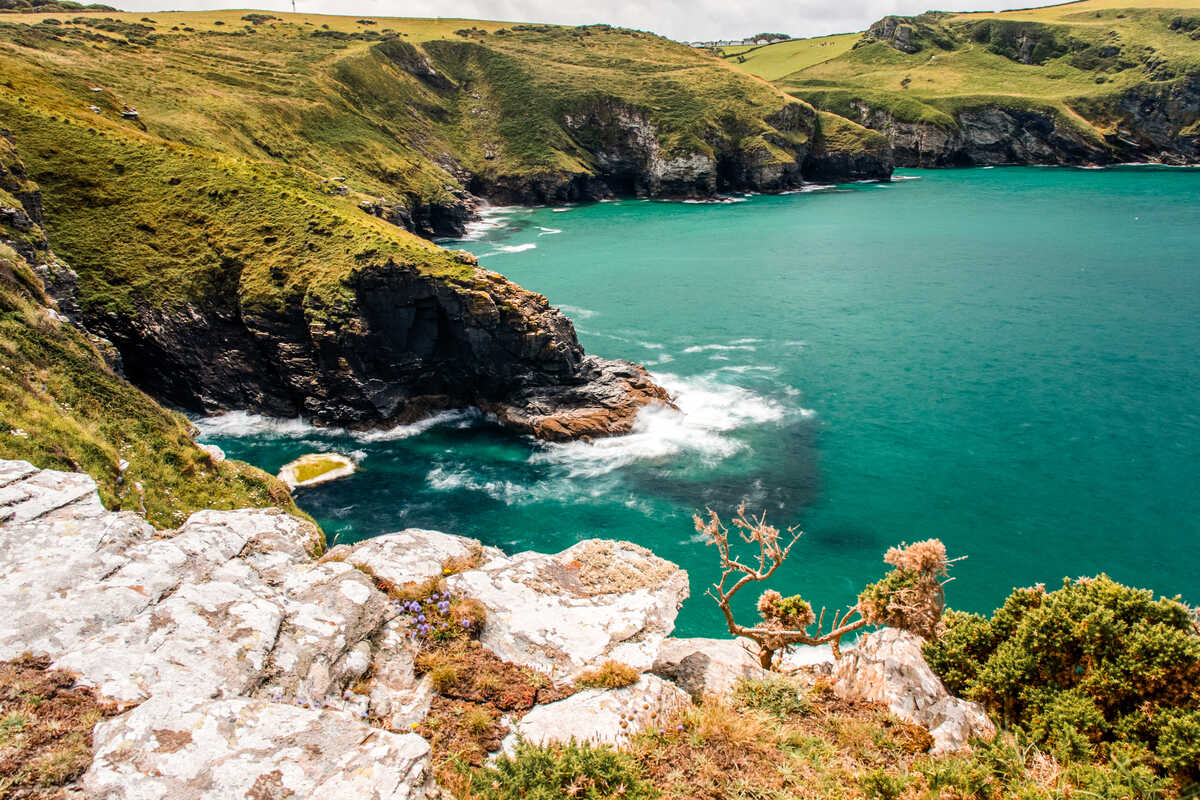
<point>1003,358</point>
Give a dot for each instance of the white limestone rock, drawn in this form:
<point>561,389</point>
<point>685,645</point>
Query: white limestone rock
<point>594,601</point>
<point>244,748</point>
<point>602,716</point>
<point>414,555</point>
<point>887,667</point>
<point>708,666</point>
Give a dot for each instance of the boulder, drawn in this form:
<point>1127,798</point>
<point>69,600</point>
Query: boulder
<point>602,716</point>
<point>415,555</point>
<point>707,666</point>
<point>887,667</point>
<point>254,749</point>
<point>594,601</point>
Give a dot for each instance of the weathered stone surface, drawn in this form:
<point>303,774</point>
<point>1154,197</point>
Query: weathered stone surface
<point>594,601</point>
<point>414,555</point>
<point>887,667</point>
<point>603,716</point>
<point>190,623</point>
<point>708,666</point>
<point>242,748</point>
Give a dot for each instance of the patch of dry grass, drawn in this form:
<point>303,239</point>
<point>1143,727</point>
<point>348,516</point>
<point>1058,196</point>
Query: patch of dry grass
<point>45,728</point>
<point>609,675</point>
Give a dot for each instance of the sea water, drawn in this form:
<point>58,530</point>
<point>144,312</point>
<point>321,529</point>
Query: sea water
<point>1005,359</point>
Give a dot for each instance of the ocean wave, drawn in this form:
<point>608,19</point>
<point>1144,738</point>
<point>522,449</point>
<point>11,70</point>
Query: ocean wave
<point>512,493</point>
<point>548,231</point>
<point>515,248</point>
<point>709,411</point>
<point>809,188</point>
<point>906,177</point>
<point>576,312</point>
<point>240,424</point>
<point>458,417</point>
<point>700,348</point>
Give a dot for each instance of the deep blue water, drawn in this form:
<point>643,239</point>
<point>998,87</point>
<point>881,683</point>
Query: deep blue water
<point>1003,358</point>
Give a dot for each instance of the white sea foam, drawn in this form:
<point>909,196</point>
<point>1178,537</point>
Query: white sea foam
<point>515,248</point>
<point>490,218</point>
<point>548,231</point>
<point>512,493</point>
<point>906,177</point>
<point>709,411</point>
<point>458,417</point>
<point>809,188</point>
<point>576,312</point>
<point>236,424</point>
<point>700,348</point>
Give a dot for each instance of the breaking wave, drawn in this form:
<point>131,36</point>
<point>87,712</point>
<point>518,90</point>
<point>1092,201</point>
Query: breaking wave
<point>709,412</point>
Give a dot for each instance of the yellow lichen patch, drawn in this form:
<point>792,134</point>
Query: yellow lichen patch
<point>316,468</point>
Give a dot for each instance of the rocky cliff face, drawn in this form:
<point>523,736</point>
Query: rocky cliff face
<point>984,136</point>
<point>1153,122</point>
<point>624,146</point>
<point>405,344</point>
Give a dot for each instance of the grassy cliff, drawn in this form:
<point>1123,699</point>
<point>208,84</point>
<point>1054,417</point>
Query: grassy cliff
<point>63,407</point>
<point>1116,76</point>
<point>402,108</point>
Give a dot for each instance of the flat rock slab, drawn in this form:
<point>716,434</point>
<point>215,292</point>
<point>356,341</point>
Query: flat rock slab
<point>594,601</point>
<point>887,667</point>
<point>602,716</point>
<point>414,555</point>
<point>708,666</point>
<point>242,748</point>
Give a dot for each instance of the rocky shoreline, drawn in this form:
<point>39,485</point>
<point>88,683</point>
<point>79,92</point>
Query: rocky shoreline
<point>245,662</point>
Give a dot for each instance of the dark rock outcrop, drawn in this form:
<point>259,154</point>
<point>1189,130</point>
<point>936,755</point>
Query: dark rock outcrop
<point>407,344</point>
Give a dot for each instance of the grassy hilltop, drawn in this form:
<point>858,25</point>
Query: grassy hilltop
<point>1087,65</point>
<point>400,107</point>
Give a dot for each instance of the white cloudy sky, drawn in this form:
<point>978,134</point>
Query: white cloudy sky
<point>679,19</point>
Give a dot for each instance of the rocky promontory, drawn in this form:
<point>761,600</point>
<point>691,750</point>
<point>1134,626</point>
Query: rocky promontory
<point>241,661</point>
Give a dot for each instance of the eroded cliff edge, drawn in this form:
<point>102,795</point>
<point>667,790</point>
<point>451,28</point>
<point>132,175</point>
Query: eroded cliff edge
<point>229,284</point>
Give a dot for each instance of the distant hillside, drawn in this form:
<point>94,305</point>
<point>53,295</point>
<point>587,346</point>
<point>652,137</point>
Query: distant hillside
<point>244,194</point>
<point>1089,82</point>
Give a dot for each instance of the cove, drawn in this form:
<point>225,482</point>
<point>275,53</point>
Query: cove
<point>1003,358</point>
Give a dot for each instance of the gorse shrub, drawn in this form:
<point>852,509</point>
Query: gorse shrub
<point>557,771</point>
<point>1083,669</point>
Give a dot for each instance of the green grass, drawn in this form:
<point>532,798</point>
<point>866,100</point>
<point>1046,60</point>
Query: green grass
<point>1082,58</point>
<point>61,407</point>
<point>773,61</point>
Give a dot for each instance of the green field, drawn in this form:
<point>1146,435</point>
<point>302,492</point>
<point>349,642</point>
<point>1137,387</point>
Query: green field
<point>773,61</point>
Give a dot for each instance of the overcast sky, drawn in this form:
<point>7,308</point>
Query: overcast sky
<point>679,19</point>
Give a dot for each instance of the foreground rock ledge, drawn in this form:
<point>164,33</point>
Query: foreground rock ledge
<point>251,669</point>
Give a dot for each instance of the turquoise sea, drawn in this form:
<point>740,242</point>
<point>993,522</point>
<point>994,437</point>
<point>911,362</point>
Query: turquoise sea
<point>1003,358</point>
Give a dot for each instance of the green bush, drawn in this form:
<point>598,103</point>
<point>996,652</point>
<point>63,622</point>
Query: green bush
<point>1082,669</point>
<point>573,770</point>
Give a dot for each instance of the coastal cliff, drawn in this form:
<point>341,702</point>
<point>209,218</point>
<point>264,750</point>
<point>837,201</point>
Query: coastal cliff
<point>1082,84</point>
<point>213,651</point>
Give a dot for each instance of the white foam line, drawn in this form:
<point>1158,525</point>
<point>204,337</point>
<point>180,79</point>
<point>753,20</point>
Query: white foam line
<point>237,424</point>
